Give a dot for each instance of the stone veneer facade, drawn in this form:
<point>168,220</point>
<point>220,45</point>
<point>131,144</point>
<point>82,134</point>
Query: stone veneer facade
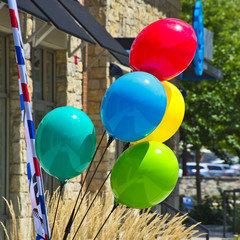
<point>209,186</point>
<point>121,18</point>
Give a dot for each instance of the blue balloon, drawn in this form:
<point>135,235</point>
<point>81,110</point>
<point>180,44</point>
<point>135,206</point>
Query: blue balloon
<point>133,106</point>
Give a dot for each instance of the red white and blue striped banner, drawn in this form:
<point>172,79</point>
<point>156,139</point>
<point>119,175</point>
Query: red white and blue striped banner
<point>34,172</point>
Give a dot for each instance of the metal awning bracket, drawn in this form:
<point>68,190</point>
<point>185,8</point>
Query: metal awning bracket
<point>94,60</point>
<point>40,34</point>
<point>80,46</point>
<point>29,39</point>
<point>43,36</point>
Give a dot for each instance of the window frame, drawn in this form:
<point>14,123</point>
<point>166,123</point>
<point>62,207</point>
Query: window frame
<point>5,95</point>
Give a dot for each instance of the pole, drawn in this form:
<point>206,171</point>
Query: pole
<point>224,214</point>
<point>234,211</point>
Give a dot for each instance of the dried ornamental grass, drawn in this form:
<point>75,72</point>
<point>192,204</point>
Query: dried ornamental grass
<point>124,223</point>
<point>15,229</point>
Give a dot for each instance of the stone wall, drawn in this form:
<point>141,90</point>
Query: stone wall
<point>209,186</point>
<point>128,18</point>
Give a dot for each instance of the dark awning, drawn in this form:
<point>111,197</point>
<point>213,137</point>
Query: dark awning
<point>209,73</point>
<point>29,7</point>
<point>124,60</point>
<point>65,17</point>
<point>61,18</point>
<point>126,42</point>
<point>92,26</point>
<point>65,23</point>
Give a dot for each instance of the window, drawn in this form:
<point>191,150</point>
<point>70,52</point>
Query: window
<point>191,167</point>
<point>3,127</point>
<point>214,168</point>
<point>43,94</point>
<point>43,75</point>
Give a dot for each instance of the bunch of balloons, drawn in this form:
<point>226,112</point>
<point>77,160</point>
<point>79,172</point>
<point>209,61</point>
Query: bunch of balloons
<point>141,107</point>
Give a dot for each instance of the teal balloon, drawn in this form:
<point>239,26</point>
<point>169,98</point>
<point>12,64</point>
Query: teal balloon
<point>65,142</point>
<point>144,175</point>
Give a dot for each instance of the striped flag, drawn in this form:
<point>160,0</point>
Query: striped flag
<point>34,172</point>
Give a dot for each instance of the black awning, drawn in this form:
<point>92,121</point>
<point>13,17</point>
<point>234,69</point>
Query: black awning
<point>124,60</point>
<point>65,17</point>
<point>61,19</point>
<point>126,42</point>
<point>92,26</point>
<point>29,7</point>
<point>209,73</point>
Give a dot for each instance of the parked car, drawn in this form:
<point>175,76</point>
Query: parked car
<point>236,167</point>
<point>204,171</point>
<point>219,170</point>
<point>228,171</point>
<point>189,172</point>
<point>215,170</point>
<point>212,170</point>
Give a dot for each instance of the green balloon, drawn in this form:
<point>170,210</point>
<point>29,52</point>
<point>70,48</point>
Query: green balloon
<point>144,175</point>
<point>65,142</point>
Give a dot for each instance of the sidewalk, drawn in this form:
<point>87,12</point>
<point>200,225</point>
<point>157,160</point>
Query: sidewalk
<point>215,233</point>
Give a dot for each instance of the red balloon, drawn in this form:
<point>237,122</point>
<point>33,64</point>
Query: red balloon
<point>164,48</point>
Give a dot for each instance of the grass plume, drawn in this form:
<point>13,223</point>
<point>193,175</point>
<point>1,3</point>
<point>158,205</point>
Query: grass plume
<point>124,223</point>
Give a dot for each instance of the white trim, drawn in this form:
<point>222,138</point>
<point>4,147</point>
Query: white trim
<point>2,4</point>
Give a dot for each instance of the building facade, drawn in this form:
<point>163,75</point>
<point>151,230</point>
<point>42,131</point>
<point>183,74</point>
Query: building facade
<point>62,70</point>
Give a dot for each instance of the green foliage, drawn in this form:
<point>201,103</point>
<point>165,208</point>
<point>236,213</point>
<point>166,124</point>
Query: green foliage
<point>212,107</point>
<point>208,212</point>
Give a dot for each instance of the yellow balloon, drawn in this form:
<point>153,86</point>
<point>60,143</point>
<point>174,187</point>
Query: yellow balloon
<point>172,118</point>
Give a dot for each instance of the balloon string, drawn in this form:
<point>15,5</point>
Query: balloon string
<point>94,173</point>
<point>60,193</point>
<point>74,213</point>
<point>72,217</point>
<point>91,204</point>
<point>114,207</point>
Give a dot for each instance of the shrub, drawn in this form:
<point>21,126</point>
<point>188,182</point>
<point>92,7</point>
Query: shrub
<point>208,212</point>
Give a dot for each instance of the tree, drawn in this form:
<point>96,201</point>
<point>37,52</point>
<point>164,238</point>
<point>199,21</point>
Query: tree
<point>212,116</point>
<point>212,107</point>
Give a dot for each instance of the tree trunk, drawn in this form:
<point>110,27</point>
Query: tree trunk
<point>198,177</point>
<point>184,161</point>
